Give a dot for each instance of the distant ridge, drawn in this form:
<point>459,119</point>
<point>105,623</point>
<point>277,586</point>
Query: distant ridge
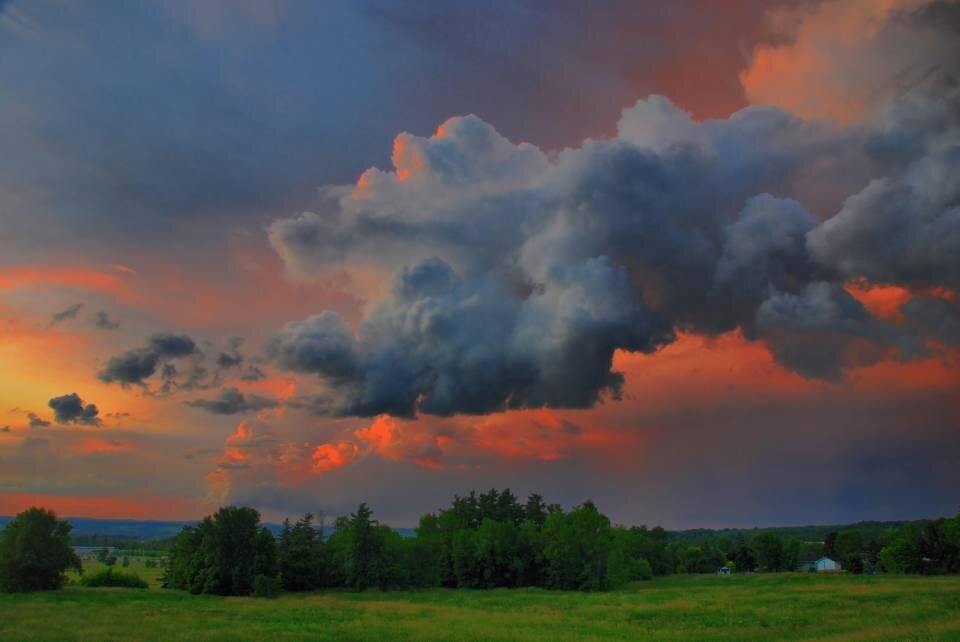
<point>145,529</point>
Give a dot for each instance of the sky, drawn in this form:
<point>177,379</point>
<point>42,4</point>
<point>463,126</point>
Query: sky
<point>698,263</point>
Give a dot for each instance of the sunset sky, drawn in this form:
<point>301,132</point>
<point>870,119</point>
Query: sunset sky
<point>697,261</point>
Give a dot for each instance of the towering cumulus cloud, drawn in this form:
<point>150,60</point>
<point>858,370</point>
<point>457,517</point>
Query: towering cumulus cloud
<point>518,274</point>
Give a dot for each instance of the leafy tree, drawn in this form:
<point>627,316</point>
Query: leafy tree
<point>743,558</point>
<point>792,548</point>
<point>222,554</point>
<point>35,552</point>
<point>767,547</point>
<point>425,553</point>
<point>689,559</point>
<point>466,565</point>
<point>576,546</point>
<point>497,553</point>
<point>849,548</point>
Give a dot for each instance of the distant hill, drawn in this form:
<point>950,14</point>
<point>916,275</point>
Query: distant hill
<point>810,533</point>
<point>138,530</point>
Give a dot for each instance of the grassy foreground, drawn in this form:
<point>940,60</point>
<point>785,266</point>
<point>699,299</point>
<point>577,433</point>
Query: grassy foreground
<point>757,607</point>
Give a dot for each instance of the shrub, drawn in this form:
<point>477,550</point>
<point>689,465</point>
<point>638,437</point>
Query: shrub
<point>266,586</point>
<point>643,569</point>
<point>108,577</point>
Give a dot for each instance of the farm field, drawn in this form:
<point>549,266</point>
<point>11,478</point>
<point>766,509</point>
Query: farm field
<point>749,607</point>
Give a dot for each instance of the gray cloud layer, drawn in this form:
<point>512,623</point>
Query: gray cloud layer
<point>231,401</point>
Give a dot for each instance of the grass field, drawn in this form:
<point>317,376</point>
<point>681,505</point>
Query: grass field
<point>756,607</point>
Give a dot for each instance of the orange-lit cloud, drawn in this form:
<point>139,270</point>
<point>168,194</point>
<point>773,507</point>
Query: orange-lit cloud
<point>73,276</point>
<point>407,157</point>
<point>832,67</point>
<point>328,457</point>
<point>97,445</point>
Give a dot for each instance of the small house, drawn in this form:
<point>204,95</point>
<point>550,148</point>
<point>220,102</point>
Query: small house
<point>826,564</point>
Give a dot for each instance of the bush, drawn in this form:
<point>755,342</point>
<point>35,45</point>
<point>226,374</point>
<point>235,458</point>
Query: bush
<point>266,586</point>
<point>643,569</point>
<point>108,577</point>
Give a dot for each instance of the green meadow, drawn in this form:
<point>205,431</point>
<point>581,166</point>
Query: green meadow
<point>683,607</point>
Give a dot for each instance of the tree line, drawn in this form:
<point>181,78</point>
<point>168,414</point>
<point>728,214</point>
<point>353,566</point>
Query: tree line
<point>491,540</point>
<point>484,540</point>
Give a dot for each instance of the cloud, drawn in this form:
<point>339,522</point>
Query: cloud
<point>103,321</point>
<point>321,344</point>
<point>37,421</point>
<point>135,366</point>
<point>67,314</point>
<point>902,229</point>
<point>70,408</point>
<point>847,58</point>
<point>939,318</point>
<point>231,401</point>
<point>253,373</point>
<point>517,276</point>
<point>231,357</point>
<point>330,457</point>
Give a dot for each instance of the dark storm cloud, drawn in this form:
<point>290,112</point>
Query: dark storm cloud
<point>231,357</point>
<point>611,246</point>
<point>67,314</point>
<point>901,229</point>
<point>231,401</point>
<point>103,321</point>
<point>518,275</point>
<point>937,318</point>
<point>137,365</point>
<point>37,421</point>
<point>253,373</point>
<point>70,409</point>
<point>822,331</point>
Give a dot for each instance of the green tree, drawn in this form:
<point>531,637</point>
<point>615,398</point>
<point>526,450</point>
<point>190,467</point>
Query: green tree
<point>792,548</point>
<point>222,554</point>
<point>35,552</point>
<point>300,555</point>
<point>743,558</point>
<point>576,547</point>
<point>850,550</point>
<point>364,550</point>
<point>497,553</point>
<point>767,547</point>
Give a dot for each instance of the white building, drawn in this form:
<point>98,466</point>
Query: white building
<point>826,564</point>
